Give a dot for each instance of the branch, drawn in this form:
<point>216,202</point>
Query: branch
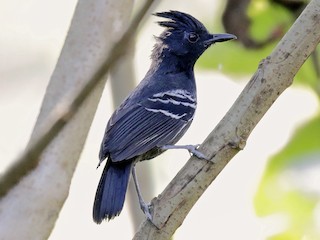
<point>274,75</point>
<point>65,110</point>
<point>34,190</point>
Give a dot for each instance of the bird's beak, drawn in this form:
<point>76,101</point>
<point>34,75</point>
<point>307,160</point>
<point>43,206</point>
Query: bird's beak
<point>222,37</point>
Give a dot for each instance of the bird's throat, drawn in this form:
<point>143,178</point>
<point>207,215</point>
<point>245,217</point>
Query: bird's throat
<point>166,61</point>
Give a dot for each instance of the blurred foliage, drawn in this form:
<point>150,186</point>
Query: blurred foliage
<point>266,19</point>
<point>279,192</point>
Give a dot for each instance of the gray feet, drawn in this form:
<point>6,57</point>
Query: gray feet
<point>146,209</point>
<point>143,205</point>
<point>191,148</point>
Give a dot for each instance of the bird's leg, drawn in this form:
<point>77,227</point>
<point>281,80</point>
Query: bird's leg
<point>191,148</point>
<point>143,205</point>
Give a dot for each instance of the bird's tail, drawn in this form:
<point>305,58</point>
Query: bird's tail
<point>111,191</point>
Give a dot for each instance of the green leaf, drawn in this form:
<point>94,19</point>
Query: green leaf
<point>233,58</point>
<point>278,193</point>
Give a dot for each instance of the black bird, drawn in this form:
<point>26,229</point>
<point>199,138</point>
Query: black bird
<point>156,114</point>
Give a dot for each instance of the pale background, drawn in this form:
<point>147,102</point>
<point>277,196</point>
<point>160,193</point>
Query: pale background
<point>32,34</point>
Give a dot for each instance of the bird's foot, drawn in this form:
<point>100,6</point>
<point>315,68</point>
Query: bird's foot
<point>145,207</point>
<point>146,210</point>
<point>193,149</point>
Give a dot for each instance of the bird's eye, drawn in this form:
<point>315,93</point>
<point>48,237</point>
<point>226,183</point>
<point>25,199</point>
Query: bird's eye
<point>193,37</point>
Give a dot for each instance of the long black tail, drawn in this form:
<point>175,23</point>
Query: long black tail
<point>111,191</point>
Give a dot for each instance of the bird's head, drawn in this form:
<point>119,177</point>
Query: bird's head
<point>185,36</point>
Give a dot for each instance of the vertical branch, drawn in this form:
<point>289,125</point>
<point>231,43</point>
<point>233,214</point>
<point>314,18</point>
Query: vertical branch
<point>33,203</point>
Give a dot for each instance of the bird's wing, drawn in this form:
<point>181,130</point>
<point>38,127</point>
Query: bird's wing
<point>159,120</point>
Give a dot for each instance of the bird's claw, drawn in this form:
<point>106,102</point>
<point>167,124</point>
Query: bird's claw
<point>193,149</point>
<point>146,210</point>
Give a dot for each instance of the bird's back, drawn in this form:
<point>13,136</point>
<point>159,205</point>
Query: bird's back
<point>158,113</point>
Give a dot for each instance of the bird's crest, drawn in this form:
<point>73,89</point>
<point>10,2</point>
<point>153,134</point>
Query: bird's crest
<point>180,21</point>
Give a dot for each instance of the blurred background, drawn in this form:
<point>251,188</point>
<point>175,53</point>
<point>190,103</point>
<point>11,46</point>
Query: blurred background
<point>270,190</point>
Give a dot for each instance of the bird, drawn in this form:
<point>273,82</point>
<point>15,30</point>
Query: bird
<point>156,114</point>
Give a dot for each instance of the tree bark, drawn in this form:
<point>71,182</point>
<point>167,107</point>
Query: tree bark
<point>274,75</point>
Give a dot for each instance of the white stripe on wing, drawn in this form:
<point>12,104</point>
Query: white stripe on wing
<point>187,104</point>
<point>179,93</point>
<point>167,113</point>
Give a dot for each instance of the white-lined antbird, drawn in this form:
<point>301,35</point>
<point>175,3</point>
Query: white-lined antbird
<point>156,114</point>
